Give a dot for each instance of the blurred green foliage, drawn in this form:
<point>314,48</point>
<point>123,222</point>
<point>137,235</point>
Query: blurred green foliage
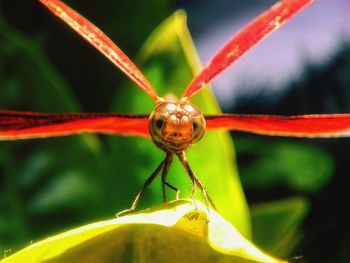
<point>301,167</point>
<point>50,185</point>
<point>276,224</point>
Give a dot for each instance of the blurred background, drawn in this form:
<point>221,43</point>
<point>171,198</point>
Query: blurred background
<point>303,68</point>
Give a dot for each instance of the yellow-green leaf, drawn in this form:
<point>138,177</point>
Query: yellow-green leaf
<point>173,232</point>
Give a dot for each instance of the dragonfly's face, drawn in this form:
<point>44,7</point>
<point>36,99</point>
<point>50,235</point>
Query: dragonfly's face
<point>174,126</point>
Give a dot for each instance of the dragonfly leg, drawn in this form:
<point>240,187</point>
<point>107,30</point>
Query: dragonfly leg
<point>168,162</point>
<point>195,181</point>
<point>147,183</point>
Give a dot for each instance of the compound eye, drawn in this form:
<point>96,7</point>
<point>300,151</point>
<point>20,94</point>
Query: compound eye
<point>198,128</point>
<point>195,127</point>
<point>159,122</point>
<point>156,125</point>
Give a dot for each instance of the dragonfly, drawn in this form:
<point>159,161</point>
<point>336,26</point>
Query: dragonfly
<point>174,124</point>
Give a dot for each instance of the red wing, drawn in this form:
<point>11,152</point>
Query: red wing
<point>323,125</point>
<point>16,125</point>
<point>101,42</point>
<point>245,39</point>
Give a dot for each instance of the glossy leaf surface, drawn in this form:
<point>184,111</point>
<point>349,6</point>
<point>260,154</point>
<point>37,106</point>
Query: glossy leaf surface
<point>173,232</point>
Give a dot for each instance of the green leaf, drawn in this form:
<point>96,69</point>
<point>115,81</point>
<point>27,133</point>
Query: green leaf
<point>169,60</point>
<point>173,232</point>
<point>276,225</point>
